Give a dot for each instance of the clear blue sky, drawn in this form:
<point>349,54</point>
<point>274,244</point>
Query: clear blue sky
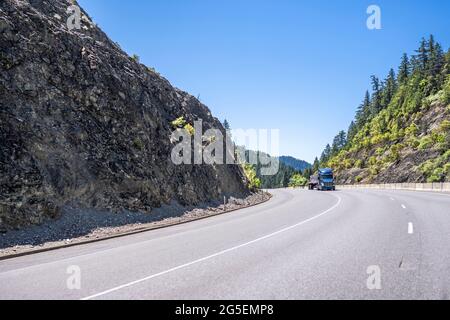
<point>298,66</point>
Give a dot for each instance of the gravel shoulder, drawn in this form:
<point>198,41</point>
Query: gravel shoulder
<point>77,226</point>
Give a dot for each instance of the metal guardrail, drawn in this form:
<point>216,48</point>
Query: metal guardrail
<point>433,187</point>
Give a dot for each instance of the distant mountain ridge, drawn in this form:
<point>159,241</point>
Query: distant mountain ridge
<point>295,163</point>
<point>288,167</point>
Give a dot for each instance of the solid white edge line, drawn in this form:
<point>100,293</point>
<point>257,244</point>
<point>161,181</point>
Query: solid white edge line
<point>431,193</point>
<point>214,255</point>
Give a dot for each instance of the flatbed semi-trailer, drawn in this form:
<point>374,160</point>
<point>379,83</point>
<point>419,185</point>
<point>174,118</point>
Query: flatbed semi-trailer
<point>323,180</point>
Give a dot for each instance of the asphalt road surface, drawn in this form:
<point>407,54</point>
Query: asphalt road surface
<point>352,244</point>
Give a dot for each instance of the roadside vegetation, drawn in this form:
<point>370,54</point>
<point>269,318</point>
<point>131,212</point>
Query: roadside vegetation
<point>254,183</point>
<point>181,123</point>
<point>286,176</point>
<point>298,180</point>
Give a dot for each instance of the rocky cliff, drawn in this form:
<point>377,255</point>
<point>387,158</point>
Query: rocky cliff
<point>420,154</point>
<point>82,122</point>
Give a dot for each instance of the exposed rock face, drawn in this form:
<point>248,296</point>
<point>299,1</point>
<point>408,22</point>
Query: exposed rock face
<point>407,167</point>
<point>80,121</point>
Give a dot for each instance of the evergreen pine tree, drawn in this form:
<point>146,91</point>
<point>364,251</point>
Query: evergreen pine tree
<point>328,151</point>
<point>446,69</point>
<point>421,58</point>
<point>436,65</point>
<point>351,132</point>
<point>376,106</point>
<point>389,89</point>
<point>342,139</point>
<point>431,55</point>
<point>363,112</point>
<point>323,158</point>
<point>316,165</point>
<point>325,154</point>
<point>226,125</point>
<point>404,70</point>
<point>307,173</point>
<point>335,145</point>
<point>339,142</point>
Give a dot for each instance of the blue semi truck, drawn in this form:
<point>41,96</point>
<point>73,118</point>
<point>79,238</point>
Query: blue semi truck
<point>323,180</point>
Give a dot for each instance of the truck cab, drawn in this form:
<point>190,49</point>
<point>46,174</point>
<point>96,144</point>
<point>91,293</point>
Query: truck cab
<point>323,180</point>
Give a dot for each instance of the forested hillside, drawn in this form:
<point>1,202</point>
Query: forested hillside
<point>279,180</point>
<point>401,131</point>
<point>291,171</point>
<point>297,164</point>
<point>284,177</point>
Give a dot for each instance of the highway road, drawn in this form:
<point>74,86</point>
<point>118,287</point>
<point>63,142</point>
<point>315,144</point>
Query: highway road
<point>352,244</point>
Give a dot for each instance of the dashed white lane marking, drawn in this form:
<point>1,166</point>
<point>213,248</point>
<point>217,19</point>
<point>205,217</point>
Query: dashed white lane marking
<point>403,206</point>
<point>410,228</point>
<point>215,254</point>
<point>392,199</point>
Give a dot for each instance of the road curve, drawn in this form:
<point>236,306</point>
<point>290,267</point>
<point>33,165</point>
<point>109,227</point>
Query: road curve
<point>300,245</point>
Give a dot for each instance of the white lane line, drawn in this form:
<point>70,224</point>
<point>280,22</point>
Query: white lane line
<point>403,206</point>
<point>104,251</point>
<point>410,228</point>
<point>431,193</point>
<point>214,255</point>
<point>392,199</point>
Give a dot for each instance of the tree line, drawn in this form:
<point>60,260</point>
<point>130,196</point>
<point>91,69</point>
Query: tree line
<point>286,176</point>
<point>426,72</point>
